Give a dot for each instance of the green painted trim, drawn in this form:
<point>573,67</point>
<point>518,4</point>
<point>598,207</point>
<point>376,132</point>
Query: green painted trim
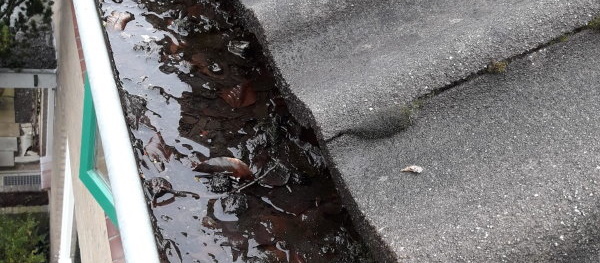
<point>100,190</point>
<point>97,186</point>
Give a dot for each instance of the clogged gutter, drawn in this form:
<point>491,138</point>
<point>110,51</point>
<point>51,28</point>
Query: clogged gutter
<point>229,175</point>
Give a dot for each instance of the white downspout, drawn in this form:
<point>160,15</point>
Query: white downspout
<point>132,213</point>
<point>46,160</point>
<point>66,229</point>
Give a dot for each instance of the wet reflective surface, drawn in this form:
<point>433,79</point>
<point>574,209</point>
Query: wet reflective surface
<point>229,175</point>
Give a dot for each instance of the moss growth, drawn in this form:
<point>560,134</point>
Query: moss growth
<point>496,67</point>
<point>408,113</point>
<point>563,38</point>
<point>5,39</point>
<point>594,24</point>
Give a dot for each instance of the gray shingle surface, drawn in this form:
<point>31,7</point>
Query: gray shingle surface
<point>512,161</point>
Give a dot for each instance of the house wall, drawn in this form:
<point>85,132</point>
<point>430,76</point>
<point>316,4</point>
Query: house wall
<point>89,216</point>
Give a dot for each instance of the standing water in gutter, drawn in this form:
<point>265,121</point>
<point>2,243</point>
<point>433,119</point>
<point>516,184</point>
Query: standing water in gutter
<point>229,175</point>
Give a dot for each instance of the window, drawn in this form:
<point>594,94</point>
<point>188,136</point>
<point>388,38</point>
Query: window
<point>92,169</point>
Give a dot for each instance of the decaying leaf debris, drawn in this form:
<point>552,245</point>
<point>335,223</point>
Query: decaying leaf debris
<point>413,169</point>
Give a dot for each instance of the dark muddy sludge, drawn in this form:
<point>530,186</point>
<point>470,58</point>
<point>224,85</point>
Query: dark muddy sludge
<point>229,175</point>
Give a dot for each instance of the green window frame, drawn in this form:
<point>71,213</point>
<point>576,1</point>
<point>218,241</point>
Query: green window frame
<point>89,176</point>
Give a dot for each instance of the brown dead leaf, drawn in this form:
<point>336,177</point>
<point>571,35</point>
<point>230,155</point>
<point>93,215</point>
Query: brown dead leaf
<point>240,96</point>
<point>413,169</point>
<point>118,20</point>
<point>297,257</point>
<point>278,255</point>
<point>173,48</point>
<point>157,150</point>
<point>220,113</point>
<point>199,60</point>
<point>194,10</point>
<point>204,64</point>
<point>236,167</point>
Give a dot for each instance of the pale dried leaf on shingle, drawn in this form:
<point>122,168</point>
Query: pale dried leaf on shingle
<point>413,169</point>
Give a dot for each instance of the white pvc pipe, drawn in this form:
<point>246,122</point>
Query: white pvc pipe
<point>66,229</point>
<point>132,213</point>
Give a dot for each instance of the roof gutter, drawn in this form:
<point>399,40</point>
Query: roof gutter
<point>132,212</point>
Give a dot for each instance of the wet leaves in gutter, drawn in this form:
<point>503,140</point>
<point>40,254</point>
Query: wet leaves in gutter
<point>233,166</point>
<point>229,175</point>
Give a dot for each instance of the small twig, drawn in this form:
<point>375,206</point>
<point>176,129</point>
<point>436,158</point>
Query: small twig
<point>253,181</point>
<point>185,194</point>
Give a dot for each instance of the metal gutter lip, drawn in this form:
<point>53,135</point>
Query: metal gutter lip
<point>28,71</point>
<point>136,231</point>
<point>28,78</point>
